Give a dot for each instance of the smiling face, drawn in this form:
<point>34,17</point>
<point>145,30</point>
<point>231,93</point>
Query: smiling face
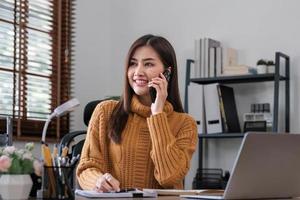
<point>144,65</point>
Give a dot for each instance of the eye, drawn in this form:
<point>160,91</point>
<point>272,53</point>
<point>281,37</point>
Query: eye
<point>132,64</point>
<point>148,64</point>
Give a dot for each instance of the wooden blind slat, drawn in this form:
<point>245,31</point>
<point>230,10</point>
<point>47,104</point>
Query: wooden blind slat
<point>36,63</point>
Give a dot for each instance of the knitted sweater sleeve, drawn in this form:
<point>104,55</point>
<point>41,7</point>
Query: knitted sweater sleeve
<point>171,153</point>
<point>93,161</point>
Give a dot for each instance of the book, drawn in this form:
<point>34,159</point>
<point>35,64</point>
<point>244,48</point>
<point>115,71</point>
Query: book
<point>130,194</point>
<point>230,57</point>
<point>212,62</point>
<point>219,61</point>
<point>197,71</point>
<point>210,46</point>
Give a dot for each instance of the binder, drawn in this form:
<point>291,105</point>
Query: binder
<point>231,117</point>
<point>212,109</point>
<point>196,105</point>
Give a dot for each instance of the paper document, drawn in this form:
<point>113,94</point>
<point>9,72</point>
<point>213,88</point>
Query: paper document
<point>135,193</point>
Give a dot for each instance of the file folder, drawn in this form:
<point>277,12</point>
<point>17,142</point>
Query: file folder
<point>212,109</point>
<point>196,105</point>
<point>230,110</point>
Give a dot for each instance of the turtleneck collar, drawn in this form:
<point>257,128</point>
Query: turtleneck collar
<point>145,111</point>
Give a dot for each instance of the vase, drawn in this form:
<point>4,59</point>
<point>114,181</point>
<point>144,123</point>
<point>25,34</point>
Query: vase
<point>271,69</point>
<point>15,186</point>
<point>261,69</point>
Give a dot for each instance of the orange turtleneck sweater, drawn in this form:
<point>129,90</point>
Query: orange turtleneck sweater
<point>155,150</point>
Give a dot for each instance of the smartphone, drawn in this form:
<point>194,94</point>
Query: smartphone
<point>167,74</point>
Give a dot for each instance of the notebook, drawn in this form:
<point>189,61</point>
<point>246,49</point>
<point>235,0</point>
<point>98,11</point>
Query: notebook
<point>267,166</point>
<point>130,194</point>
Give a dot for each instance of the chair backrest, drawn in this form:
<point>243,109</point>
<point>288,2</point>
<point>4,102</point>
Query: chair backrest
<point>69,140</point>
<point>6,138</point>
<point>88,111</point>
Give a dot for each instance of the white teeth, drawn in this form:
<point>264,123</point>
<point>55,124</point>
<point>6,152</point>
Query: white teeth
<point>140,81</point>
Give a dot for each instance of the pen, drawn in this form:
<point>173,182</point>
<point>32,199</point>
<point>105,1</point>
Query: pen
<point>74,160</point>
<point>64,151</point>
<point>54,155</point>
<point>55,151</point>
<point>126,190</point>
<point>48,163</point>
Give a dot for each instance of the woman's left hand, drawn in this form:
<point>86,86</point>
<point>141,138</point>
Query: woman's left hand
<point>161,86</point>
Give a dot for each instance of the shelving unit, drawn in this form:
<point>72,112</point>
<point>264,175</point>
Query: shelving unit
<point>275,77</point>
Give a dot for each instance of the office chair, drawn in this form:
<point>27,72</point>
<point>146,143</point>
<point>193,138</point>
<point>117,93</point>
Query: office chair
<point>69,140</point>
<point>6,138</point>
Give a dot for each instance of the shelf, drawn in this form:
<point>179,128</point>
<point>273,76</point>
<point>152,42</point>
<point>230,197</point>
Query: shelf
<point>238,79</point>
<point>275,78</point>
<point>222,135</point>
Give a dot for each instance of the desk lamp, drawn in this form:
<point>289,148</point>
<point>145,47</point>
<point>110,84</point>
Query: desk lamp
<point>46,153</point>
<point>59,111</point>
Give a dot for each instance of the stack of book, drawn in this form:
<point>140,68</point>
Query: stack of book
<point>235,70</point>
<point>208,58</point>
<point>213,60</point>
<point>230,63</point>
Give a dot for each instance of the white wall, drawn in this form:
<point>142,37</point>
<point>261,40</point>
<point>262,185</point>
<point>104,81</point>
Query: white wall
<point>257,28</point>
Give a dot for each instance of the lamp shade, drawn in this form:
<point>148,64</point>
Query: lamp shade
<point>59,111</point>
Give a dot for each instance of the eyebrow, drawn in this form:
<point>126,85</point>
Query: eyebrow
<point>146,59</point>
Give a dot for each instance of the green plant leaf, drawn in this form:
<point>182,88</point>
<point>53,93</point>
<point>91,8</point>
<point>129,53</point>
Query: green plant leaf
<point>27,166</point>
<point>15,167</point>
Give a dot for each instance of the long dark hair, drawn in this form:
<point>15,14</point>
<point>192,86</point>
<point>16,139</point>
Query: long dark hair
<point>167,55</point>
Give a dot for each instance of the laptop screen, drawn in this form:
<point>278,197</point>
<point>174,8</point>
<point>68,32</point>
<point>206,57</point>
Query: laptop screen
<point>267,166</point>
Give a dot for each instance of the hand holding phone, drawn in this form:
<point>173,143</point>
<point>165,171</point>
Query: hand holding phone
<point>167,74</point>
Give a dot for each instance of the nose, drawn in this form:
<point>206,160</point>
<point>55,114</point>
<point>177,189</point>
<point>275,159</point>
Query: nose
<point>139,70</point>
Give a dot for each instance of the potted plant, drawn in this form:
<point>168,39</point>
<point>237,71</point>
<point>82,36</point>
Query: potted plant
<point>270,66</point>
<point>261,66</point>
<point>16,165</point>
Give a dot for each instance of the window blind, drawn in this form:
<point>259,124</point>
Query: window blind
<point>35,64</point>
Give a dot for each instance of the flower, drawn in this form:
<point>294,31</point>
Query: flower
<point>37,166</point>
<point>16,161</point>
<point>5,163</point>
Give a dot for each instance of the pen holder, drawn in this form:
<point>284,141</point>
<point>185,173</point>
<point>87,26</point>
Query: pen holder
<point>58,182</point>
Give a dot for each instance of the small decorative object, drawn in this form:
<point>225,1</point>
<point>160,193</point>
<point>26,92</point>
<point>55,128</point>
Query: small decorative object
<point>261,66</point>
<point>270,66</point>
<point>252,70</point>
<point>15,168</point>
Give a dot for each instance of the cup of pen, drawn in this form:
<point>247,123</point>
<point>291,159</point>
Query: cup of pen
<point>58,182</point>
<point>58,174</point>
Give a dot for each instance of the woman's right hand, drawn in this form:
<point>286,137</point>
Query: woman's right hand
<point>107,183</point>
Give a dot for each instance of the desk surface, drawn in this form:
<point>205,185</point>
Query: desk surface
<point>85,198</point>
<point>159,198</point>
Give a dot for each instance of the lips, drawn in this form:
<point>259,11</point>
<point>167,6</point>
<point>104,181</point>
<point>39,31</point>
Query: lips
<point>141,82</point>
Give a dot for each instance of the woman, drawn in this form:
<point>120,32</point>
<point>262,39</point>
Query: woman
<point>134,143</point>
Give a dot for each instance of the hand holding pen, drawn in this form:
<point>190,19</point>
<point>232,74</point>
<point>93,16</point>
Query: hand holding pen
<point>107,183</point>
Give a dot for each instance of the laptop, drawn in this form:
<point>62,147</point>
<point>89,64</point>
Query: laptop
<point>267,166</point>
